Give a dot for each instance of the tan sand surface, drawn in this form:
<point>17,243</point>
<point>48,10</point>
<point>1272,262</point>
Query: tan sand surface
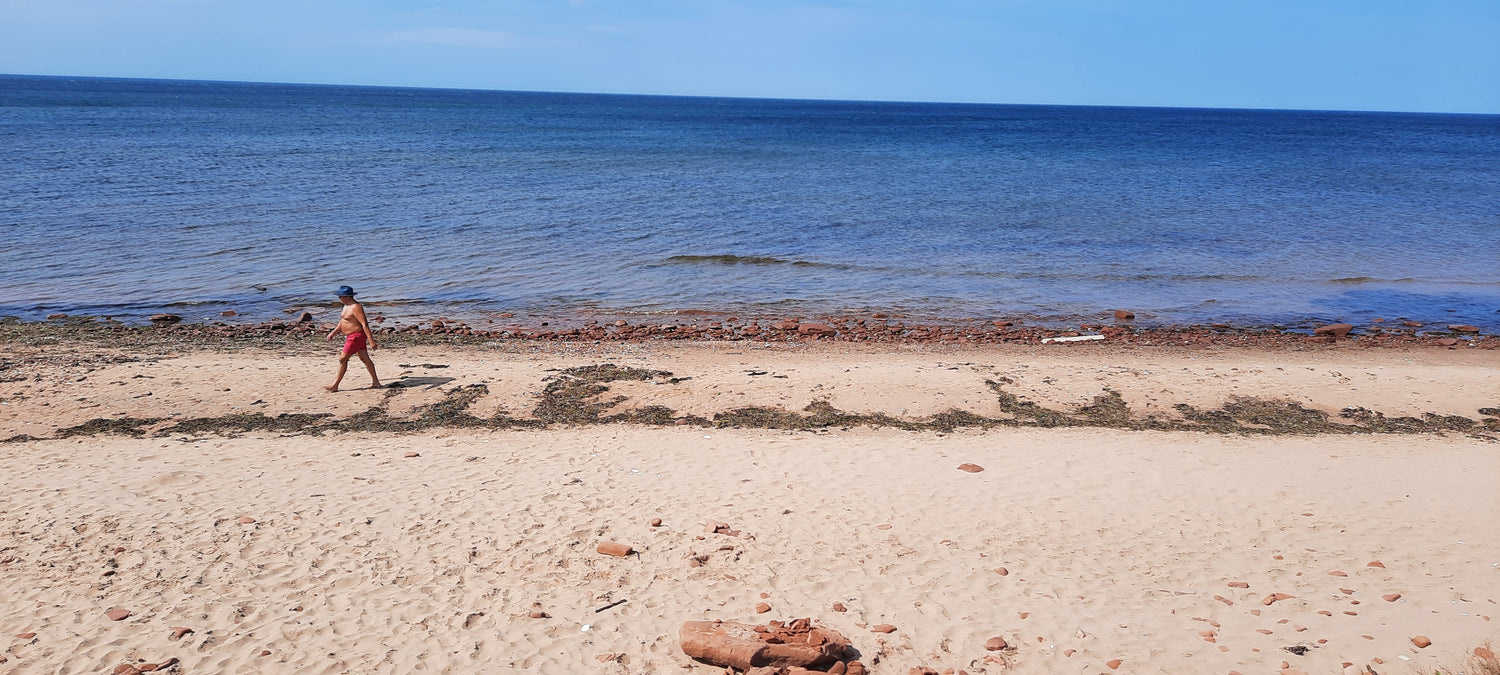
<point>1114,543</point>
<point>47,389</point>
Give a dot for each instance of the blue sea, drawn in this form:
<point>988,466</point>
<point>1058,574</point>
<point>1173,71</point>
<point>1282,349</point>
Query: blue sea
<point>129,197</point>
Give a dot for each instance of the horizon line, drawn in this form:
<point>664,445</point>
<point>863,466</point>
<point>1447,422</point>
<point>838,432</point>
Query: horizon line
<point>749,98</point>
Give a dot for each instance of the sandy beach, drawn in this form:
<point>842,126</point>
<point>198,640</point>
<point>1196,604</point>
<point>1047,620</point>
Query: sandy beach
<point>1140,509</point>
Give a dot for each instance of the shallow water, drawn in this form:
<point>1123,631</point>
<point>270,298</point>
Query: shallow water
<point>128,197</point>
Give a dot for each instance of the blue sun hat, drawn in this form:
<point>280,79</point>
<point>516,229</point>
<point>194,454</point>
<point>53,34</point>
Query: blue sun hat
<point>345,292</point>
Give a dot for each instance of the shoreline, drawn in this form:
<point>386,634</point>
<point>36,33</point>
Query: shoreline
<point>176,380</point>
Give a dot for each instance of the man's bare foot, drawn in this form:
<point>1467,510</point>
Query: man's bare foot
<point>377,385</point>
<point>332,387</point>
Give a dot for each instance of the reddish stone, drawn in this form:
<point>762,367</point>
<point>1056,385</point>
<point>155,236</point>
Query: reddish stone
<point>1337,573</point>
<point>883,628</point>
<point>25,636</point>
<point>856,668</point>
<point>1122,315</point>
<point>1223,599</point>
<point>179,631</point>
<point>117,614</point>
<point>655,522</point>
<point>539,615</point>
<point>995,644</point>
<point>839,607</point>
<point>126,669</point>
<point>971,468</point>
<point>816,329</point>
<point>228,312</point>
<point>1334,329</point>
<point>1275,597</point>
<point>1484,653</point>
<point>1463,328</point>
<point>1002,571</point>
<point>54,317</point>
<point>1375,563</point>
<point>148,667</point>
<point>762,608</point>
<point>164,318</point>
<point>245,520</point>
<point>617,550</point>
<point>1391,597</point>
<point>1422,641</point>
<point>775,645</point>
<point>785,324</point>
<point>1114,664</point>
<point>1239,584</point>
<point>410,455</point>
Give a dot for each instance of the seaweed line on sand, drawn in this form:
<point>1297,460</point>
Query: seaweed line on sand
<point>576,396</point>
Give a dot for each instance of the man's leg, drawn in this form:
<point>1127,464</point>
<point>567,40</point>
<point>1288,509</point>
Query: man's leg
<point>343,366</point>
<point>364,355</point>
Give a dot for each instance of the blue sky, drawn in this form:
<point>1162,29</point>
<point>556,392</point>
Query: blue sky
<point>1441,56</point>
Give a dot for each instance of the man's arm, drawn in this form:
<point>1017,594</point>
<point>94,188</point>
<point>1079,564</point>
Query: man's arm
<point>359,314</point>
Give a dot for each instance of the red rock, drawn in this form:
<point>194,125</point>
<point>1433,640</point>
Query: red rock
<point>117,614</point>
<point>54,317</point>
<point>839,607</point>
<point>655,522</point>
<point>1391,597</point>
<point>617,550</point>
<point>179,631</point>
<point>1422,641</point>
<point>164,318</point>
<point>816,329</point>
<point>245,520</point>
<point>1334,329</point>
<point>838,668</point>
<point>1447,342</point>
<point>1239,584</point>
<point>764,595</point>
<point>762,608</point>
<point>995,644</point>
<point>438,323</point>
<point>228,312</point>
<point>1023,615</point>
<point>1463,328</point>
<point>1275,597</point>
<point>1346,591</point>
<point>1224,600</point>
<point>1351,612</point>
<point>1122,315</point>
<point>25,636</point>
<point>856,668</point>
<point>539,615</point>
<point>742,647</point>
<point>882,628</point>
<point>1002,571</point>
<point>148,667</point>
<point>1337,573</point>
<point>126,669</point>
<point>1368,637</point>
<point>785,324</point>
<point>305,317</point>
<point>1412,324</point>
<point>410,455</point>
<point>1263,631</point>
<point>971,468</point>
<point>1114,664</point>
<point>1375,563</point>
<point>265,652</point>
<point>1484,653</point>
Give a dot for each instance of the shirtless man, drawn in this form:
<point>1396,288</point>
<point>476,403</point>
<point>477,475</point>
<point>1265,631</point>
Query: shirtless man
<point>357,333</point>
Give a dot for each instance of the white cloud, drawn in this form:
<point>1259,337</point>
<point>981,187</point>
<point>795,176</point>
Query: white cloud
<point>458,37</point>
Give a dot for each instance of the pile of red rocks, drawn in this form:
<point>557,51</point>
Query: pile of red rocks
<point>773,648</point>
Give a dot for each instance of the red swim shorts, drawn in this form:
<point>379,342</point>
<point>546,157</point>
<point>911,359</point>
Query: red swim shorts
<point>354,342</point>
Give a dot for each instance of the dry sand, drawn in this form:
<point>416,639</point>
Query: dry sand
<point>1115,543</point>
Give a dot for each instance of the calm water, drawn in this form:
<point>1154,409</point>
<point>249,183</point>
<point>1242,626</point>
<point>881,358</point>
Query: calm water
<point>127,197</point>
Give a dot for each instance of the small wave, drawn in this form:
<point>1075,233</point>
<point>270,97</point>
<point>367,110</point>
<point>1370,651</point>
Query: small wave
<point>725,259</point>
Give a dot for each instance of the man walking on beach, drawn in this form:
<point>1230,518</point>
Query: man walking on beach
<point>357,334</point>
